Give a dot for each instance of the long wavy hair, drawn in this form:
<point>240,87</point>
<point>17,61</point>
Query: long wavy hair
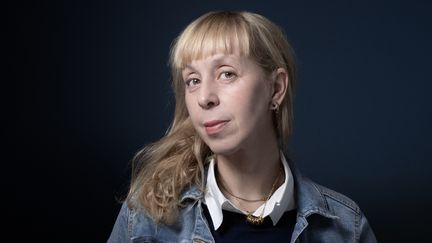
<point>162,170</point>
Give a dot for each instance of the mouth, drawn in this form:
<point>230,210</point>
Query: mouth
<point>214,127</point>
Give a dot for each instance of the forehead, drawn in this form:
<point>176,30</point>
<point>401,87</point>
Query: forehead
<point>216,60</point>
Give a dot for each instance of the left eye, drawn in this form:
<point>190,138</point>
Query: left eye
<point>227,75</point>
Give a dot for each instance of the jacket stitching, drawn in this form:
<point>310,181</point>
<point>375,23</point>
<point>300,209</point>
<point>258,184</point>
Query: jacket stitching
<point>343,202</point>
<point>356,228</point>
<point>321,194</point>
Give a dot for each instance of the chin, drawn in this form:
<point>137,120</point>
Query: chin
<point>223,144</point>
<point>222,147</point>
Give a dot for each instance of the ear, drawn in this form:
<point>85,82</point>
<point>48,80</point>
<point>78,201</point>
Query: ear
<point>279,85</point>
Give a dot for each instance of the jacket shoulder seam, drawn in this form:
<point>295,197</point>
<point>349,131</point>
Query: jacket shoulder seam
<point>340,198</point>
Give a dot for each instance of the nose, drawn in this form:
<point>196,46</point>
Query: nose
<point>208,96</point>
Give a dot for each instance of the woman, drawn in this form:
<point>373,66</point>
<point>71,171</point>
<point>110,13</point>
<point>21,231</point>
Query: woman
<point>220,173</point>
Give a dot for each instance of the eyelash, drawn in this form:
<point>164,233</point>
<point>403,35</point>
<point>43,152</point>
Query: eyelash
<point>188,82</point>
<point>232,74</point>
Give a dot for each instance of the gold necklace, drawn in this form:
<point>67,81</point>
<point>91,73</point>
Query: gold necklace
<point>243,199</point>
<point>252,219</point>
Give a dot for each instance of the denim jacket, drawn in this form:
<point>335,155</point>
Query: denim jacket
<point>323,215</point>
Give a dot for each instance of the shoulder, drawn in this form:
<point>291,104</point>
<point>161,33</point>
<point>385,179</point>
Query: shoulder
<point>131,222</point>
<point>139,221</point>
<point>316,198</point>
<point>134,223</point>
<point>337,200</point>
<point>346,219</point>
<point>312,197</point>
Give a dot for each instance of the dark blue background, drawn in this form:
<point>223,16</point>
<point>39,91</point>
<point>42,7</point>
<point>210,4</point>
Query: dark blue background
<point>91,86</point>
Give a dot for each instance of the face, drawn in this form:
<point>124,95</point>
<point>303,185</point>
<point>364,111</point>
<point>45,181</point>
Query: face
<point>228,98</point>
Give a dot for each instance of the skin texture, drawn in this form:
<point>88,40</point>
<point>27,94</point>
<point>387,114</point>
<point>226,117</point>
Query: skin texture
<point>229,99</point>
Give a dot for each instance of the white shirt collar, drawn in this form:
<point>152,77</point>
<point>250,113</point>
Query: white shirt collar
<point>281,201</point>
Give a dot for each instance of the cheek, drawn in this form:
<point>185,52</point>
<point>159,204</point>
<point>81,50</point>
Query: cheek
<point>189,105</point>
<point>193,111</point>
<point>254,100</point>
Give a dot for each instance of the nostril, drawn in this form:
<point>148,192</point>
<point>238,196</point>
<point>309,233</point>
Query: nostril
<point>208,101</point>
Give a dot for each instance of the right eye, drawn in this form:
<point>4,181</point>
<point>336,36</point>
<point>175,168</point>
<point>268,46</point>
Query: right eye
<point>192,82</point>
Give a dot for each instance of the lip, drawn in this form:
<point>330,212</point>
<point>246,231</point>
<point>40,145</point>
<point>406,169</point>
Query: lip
<point>215,126</point>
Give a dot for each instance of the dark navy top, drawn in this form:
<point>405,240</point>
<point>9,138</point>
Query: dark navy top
<point>234,228</point>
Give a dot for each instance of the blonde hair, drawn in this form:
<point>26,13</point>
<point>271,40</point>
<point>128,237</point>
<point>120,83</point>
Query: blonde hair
<point>163,170</point>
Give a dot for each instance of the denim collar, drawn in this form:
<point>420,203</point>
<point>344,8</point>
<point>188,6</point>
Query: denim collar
<point>192,192</point>
<point>309,198</point>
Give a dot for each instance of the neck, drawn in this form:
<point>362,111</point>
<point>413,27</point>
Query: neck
<point>250,173</point>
